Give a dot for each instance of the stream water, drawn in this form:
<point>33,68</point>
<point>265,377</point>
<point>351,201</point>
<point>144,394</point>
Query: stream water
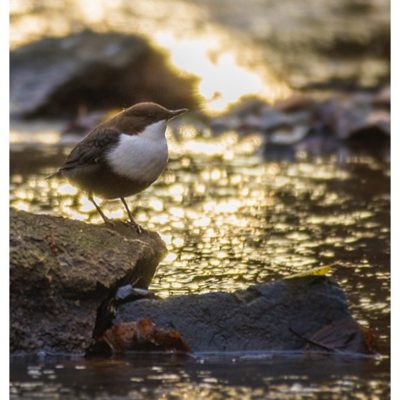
<point>231,218</point>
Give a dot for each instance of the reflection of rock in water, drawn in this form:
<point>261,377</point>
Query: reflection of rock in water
<point>59,76</point>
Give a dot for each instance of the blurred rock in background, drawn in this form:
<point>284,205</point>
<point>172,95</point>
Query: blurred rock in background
<point>57,77</point>
<point>234,47</point>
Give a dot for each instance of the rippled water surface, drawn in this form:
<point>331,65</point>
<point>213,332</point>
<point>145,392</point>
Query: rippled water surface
<point>231,218</point>
<point>203,377</point>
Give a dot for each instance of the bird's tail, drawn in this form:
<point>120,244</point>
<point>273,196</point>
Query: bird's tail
<point>57,174</point>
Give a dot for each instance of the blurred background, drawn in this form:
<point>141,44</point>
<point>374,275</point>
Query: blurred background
<point>230,48</point>
<point>281,166</point>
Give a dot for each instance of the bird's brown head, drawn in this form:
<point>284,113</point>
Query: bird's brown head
<point>151,112</point>
<point>137,117</point>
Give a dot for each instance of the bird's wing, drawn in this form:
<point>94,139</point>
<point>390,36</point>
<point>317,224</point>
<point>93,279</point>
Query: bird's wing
<point>92,149</point>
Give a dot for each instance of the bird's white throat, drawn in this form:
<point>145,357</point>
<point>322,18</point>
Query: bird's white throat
<point>155,131</point>
<point>141,157</point>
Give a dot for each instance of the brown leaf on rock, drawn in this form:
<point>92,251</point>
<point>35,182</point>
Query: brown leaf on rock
<point>141,335</point>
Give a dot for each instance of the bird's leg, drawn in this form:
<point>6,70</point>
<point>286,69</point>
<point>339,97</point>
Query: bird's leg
<point>100,211</point>
<point>133,222</point>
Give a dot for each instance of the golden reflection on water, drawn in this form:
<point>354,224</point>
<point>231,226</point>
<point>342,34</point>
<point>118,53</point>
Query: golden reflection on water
<point>240,376</point>
<point>230,219</point>
<point>227,69</point>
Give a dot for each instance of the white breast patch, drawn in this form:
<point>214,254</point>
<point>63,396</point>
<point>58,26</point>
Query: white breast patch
<point>141,157</point>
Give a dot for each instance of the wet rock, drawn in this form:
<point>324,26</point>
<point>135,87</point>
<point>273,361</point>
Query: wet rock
<point>280,315</point>
<point>61,270</point>
<point>359,115</point>
<point>289,134</point>
<point>255,115</point>
<point>57,76</point>
<point>295,103</point>
<point>382,98</point>
<point>84,122</point>
<point>359,120</point>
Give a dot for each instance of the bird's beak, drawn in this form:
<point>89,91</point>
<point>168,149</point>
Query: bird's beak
<point>175,113</point>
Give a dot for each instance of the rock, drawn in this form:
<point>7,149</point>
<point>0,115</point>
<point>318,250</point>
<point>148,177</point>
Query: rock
<point>382,98</point>
<point>255,115</point>
<point>290,314</point>
<point>288,135</point>
<point>58,76</point>
<point>61,270</point>
<point>357,116</point>
<point>359,120</point>
<point>83,123</point>
<point>294,103</point>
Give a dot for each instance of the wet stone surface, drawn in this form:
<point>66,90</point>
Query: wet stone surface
<point>280,315</point>
<point>60,271</point>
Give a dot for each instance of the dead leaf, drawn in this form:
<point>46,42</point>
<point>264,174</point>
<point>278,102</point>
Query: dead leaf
<point>141,335</point>
<point>318,271</point>
<point>344,335</point>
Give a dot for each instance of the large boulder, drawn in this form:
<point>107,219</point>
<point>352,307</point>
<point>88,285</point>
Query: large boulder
<point>60,76</point>
<point>61,271</point>
<point>291,315</point>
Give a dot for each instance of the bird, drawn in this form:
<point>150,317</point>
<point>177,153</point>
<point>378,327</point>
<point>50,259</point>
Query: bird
<point>122,156</point>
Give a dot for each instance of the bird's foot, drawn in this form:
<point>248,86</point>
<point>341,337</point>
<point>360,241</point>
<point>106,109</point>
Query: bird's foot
<point>135,226</point>
<point>109,223</point>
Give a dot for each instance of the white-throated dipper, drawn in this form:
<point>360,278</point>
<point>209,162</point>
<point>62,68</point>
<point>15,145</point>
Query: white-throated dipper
<point>122,156</point>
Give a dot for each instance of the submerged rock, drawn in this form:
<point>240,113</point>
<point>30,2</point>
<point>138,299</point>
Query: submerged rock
<point>293,314</point>
<point>61,270</point>
<point>59,76</point>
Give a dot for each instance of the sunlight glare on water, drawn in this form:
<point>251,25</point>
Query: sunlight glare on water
<point>230,219</point>
<point>222,79</point>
